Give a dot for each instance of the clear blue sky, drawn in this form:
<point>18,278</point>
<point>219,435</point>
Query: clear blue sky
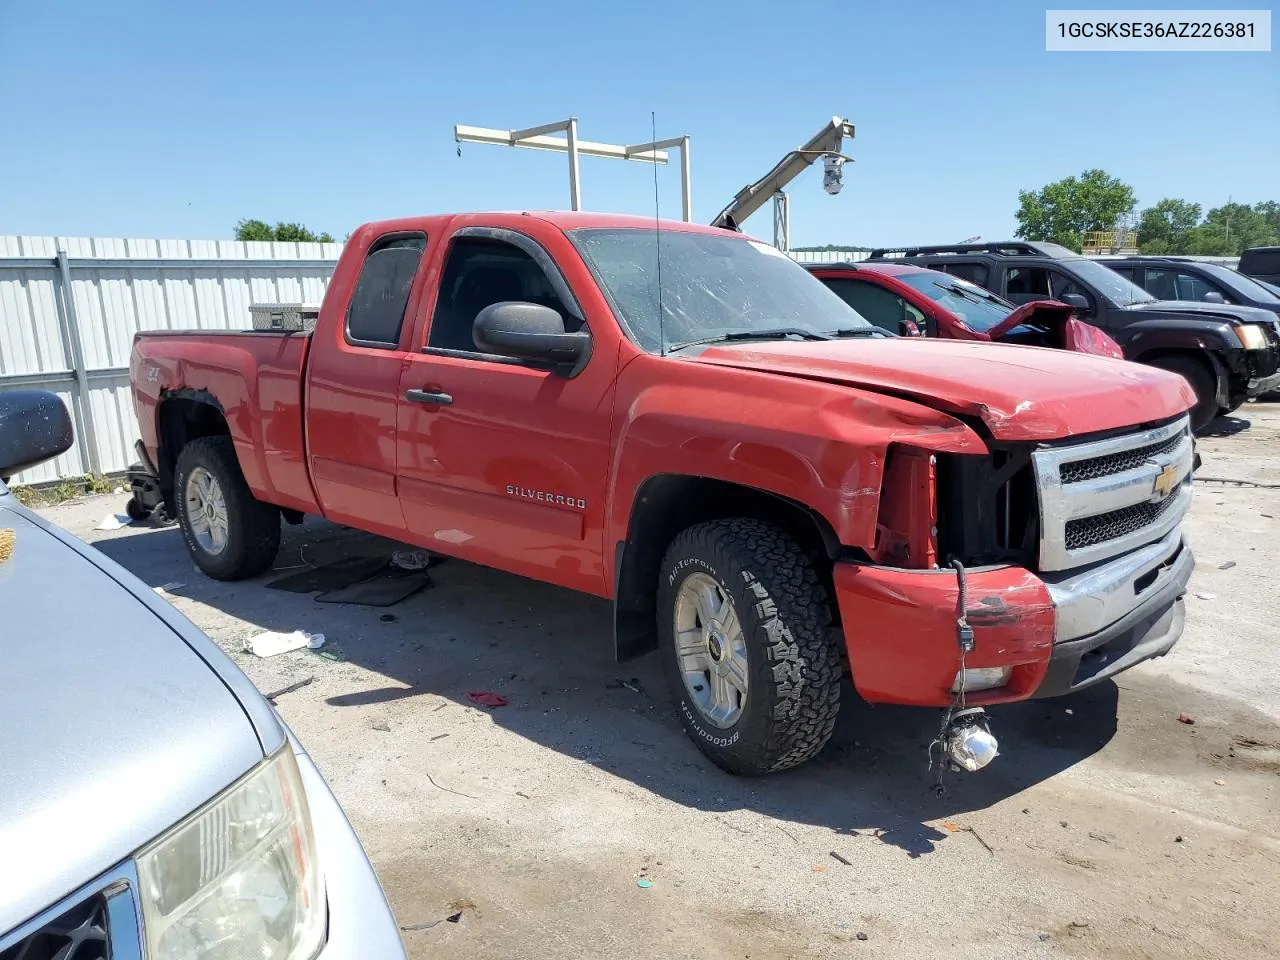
<point>147,118</point>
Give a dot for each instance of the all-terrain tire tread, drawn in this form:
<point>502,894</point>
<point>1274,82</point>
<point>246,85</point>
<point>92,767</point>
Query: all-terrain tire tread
<point>795,622</point>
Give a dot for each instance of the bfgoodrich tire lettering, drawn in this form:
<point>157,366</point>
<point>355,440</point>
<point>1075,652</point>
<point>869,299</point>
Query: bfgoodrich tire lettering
<point>793,689</point>
<point>253,527</point>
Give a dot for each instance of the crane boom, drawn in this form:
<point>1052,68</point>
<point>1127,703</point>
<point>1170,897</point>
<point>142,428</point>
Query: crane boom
<point>752,197</point>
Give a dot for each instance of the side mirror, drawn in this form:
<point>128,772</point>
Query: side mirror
<point>34,427</point>
<point>530,331</point>
<point>1076,301</point>
<point>1214,297</point>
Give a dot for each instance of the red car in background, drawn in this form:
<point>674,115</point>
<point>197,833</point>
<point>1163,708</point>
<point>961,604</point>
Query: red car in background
<point>915,301</point>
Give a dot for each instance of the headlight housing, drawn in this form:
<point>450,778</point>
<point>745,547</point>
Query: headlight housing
<point>238,878</point>
<point>1251,336</point>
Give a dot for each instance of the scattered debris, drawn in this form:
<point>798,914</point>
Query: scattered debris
<point>113,521</point>
<point>1069,712</point>
<point>453,917</point>
<point>1226,566</point>
<point>1084,863</point>
<point>788,833</point>
<point>977,836</point>
<point>441,707</point>
<point>380,725</point>
<point>1186,718</point>
<point>1206,596</point>
<point>1178,838</point>
<point>819,868</point>
<point>487,698</point>
<point>411,559</point>
<point>1026,809</point>
<point>270,643</point>
<point>428,924</point>
<point>950,827</point>
<point>520,793</point>
<point>289,689</point>
<point>1064,824</point>
<point>861,936</point>
<point>633,685</point>
<point>644,883</point>
<point>1044,936</point>
<point>388,618</point>
<point>1078,925</point>
<point>1220,783</point>
<point>835,856</point>
<point>331,576</point>
<point>1100,837</point>
<point>438,736</point>
<point>166,587</point>
<point>456,793</point>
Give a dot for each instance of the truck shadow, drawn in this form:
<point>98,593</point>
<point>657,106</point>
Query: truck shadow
<point>549,653</point>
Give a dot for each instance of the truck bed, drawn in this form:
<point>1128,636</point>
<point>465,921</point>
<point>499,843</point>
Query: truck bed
<point>257,378</point>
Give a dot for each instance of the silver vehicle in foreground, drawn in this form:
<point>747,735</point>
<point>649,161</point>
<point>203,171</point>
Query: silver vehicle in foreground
<point>153,806</point>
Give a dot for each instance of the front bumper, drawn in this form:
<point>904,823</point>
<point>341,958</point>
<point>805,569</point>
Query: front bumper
<point>361,925</point>
<point>1057,637</point>
<point>1258,386</point>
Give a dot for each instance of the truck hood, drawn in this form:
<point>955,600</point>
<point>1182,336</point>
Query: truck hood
<point>1019,393</point>
<point>115,727</point>
<point>1222,312</point>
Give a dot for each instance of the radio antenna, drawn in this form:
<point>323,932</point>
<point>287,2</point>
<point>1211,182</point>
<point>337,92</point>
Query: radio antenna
<point>657,236</point>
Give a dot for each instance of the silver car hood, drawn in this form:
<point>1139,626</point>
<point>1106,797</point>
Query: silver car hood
<point>117,717</point>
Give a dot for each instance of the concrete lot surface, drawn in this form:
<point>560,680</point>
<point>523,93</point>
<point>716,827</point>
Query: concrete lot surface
<point>1106,828</point>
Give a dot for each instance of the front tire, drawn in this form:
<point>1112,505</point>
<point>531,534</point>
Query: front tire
<point>1202,382</point>
<point>230,534</point>
<point>747,648</point>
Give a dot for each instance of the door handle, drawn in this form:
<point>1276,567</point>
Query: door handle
<point>428,396</point>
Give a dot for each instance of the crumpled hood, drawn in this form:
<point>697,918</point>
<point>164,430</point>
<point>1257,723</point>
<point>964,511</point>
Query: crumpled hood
<point>1020,393</point>
<point>114,727</point>
<point>1208,311</point>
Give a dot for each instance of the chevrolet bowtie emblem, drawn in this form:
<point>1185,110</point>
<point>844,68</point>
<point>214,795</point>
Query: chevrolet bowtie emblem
<point>1166,480</point>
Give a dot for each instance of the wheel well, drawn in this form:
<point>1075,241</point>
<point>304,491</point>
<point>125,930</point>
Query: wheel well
<point>665,505</point>
<point>181,419</point>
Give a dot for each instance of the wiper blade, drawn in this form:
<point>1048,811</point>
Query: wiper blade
<point>772,333</point>
<point>971,294</point>
<point>857,332</point>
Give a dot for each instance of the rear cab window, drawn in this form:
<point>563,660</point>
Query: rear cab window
<point>375,313</point>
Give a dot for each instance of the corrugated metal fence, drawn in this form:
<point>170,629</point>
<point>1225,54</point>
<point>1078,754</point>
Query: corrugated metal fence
<point>69,308</point>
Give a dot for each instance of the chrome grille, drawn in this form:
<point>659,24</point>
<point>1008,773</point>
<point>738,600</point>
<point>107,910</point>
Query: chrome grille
<point>1087,531</point>
<point>1076,470</point>
<point>100,921</point>
<point>1103,498</point>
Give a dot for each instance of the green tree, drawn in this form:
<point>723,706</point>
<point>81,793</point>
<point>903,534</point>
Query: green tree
<point>1270,211</point>
<point>285,232</point>
<point>1063,211</point>
<point>1166,227</point>
<point>1231,228</point>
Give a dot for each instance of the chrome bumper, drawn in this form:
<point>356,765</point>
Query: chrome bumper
<point>1089,600</point>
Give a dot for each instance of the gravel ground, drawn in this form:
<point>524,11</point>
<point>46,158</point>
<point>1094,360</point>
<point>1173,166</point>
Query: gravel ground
<point>1105,829</point>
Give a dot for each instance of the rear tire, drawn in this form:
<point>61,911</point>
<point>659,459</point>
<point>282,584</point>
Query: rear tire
<point>1202,382</point>
<point>230,534</point>
<point>770,693</point>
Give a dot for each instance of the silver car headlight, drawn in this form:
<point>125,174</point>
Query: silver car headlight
<point>238,878</point>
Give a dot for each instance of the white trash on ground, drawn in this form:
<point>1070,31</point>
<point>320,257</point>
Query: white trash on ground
<point>271,643</point>
<point>113,521</point>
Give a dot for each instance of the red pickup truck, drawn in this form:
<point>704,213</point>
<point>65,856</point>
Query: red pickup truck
<point>772,491</point>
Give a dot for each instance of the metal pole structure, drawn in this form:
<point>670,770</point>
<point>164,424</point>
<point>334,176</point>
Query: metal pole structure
<point>537,138</point>
<point>575,192</point>
<point>84,408</point>
<point>686,186</point>
<point>782,221</point>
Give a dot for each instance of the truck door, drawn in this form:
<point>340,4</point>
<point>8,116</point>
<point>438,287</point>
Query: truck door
<point>500,461</point>
<point>353,382</point>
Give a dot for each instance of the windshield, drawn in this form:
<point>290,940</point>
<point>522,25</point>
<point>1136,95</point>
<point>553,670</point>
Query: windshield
<point>1239,283</point>
<point>712,285</point>
<point>1119,290</point>
<point>1270,286</point>
<point>977,308</point>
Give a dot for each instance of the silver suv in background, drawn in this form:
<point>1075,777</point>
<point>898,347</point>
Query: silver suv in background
<point>154,806</point>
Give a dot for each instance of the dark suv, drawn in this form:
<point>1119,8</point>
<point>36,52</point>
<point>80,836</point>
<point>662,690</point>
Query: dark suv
<point>1261,263</point>
<point>1177,278</point>
<point>1227,353</point>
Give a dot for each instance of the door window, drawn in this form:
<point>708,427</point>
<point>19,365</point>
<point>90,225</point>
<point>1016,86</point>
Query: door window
<point>480,272</point>
<point>874,303</point>
<point>973,272</point>
<point>375,314</point>
<point>1027,283</point>
<point>1179,285</point>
